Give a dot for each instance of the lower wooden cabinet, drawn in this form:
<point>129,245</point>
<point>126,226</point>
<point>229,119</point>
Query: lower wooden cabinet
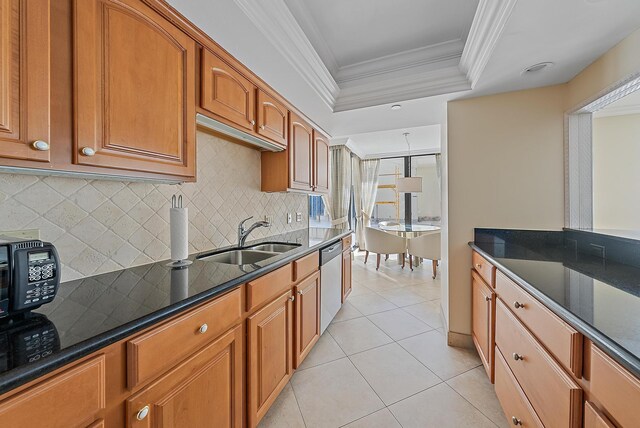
<point>593,418</point>
<point>73,398</point>
<point>307,317</point>
<point>203,391</point>
<point>269,354</point>
<point>347,274</point>
<point>483,315</point>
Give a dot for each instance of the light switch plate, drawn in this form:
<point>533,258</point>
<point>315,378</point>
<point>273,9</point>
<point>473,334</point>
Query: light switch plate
<point>289,220</point>
<point>298,216</point>
<point>268,219</point>
<point>22,234</point>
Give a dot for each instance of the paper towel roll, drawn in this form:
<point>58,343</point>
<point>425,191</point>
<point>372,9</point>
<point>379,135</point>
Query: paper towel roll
<point>179,225</point>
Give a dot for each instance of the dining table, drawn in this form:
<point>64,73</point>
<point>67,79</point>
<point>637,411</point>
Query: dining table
<point>410,230</point>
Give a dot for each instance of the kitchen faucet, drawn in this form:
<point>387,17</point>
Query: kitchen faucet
<point>242,233</point>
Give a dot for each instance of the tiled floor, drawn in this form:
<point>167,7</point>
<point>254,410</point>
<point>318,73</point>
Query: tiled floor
<point>384,363</point>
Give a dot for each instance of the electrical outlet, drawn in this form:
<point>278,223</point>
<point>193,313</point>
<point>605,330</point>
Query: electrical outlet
<point>298,216</point>
<point>289,218</point>
<point>268,219</point>
<point>22,234</point>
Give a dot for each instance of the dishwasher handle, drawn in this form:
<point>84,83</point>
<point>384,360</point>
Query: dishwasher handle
<point>330,252</point>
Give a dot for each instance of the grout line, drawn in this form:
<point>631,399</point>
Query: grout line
<point>297,403</point>
<point>465,399</point>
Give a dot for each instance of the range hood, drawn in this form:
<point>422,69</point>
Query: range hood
<point>224,129</point>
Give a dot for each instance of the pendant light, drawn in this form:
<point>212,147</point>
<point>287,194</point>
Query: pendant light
<point>409,184</point>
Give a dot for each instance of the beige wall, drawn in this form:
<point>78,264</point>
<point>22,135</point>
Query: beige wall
<point>100,226</point>
<point>616,176</point>
<point>505,170</point>
<point>505,165</point>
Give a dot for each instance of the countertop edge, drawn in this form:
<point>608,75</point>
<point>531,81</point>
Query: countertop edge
<point>20,376</point>
<point>611,348</point>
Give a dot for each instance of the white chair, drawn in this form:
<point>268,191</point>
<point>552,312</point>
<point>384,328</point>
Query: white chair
<point>387,223</point>
<point>381,242</point>
<point>425,246</point>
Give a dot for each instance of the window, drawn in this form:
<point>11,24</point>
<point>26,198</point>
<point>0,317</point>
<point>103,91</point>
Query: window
<point>389,203</point>
<point>426,206</point>
<point>318,215</point>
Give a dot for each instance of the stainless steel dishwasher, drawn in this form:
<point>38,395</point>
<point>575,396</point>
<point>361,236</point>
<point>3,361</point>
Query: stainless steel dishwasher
<point>330,283</point>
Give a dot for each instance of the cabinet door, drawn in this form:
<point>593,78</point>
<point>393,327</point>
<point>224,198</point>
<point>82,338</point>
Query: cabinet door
<point>227,93</point>
<point>300,153</point>
<point>270,354</point>
<point>134,89</point>
<point>483,315</point>
<point>307,328</point>
<point>320,163</point>
<point>24,79</point>
<point>272,119</point>
<point>203,391</point>
<point>346,275</point>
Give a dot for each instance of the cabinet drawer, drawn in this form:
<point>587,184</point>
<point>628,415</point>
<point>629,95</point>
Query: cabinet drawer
<point>305,266</point>
<point>155,351</point>
<point>593,418</point>
<point>70,399</point>
<point>556,398</point>
<point>514,402</point>
<point>486,270</point>
<point>346,243</point>
<point>267,287</point>
<point>558,337</point>
<point>617,390</point>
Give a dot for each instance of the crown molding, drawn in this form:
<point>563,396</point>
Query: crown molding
<point>488,24</point>
<point>377,92</point>
<point>275,21</point>
<point>432,57</point>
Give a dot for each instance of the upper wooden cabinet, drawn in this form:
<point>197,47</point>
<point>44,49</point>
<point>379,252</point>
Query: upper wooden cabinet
<point>320,162</point>
<point>272,119</point>
<point>25,79</point>
<point>134,89</point>
<point>227,93</point>
<point>300,153</point>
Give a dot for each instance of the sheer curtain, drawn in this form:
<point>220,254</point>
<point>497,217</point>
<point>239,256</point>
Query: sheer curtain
<point>356,179</point>
<point>337,202</point>
<point>369,170</point>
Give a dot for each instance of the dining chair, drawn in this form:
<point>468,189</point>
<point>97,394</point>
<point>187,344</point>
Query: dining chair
<point>380,242</point>
<point>426,246</point>
<point>387,223</point>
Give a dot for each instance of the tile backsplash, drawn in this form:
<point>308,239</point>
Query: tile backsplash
<point>102,225</point>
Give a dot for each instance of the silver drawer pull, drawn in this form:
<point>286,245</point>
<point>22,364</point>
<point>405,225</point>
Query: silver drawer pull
<point>518,305</point>
<point>517,356</point>
<point>478,265</point>
<point>516,421</point>
<point>142,413</point>
<point>40,145</point>
<point>203,328</point>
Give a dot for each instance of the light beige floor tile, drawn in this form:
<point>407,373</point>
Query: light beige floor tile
<point>429,292</point>
<point>358,335</point>
<point>438,407</point>
<point>325,350</point>
<point>372,303</point>
<point>284,413</point>
<point>428,312</point>
<point>393,373</point>
<point>445,361</point>
<point>475,386</point>
<point>399,324</point>
<point>333,394</point>
<point>380,419</point>
<point>358,288</point>
<point>402,296</point>
<point>347,312</point>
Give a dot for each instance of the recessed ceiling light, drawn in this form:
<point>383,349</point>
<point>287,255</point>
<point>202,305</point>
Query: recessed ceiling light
<point>396,107</point>
<point>537,67</point>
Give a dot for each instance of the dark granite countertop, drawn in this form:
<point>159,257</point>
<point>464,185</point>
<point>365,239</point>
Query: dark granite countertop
<point>94,312</point>
<point>598,297</point>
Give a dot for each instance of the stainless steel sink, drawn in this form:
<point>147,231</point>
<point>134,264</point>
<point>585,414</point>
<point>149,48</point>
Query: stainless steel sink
<point>275,247</point>
<point>239,257</point>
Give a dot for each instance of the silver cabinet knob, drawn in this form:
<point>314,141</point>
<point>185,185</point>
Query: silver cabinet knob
<point>478,265</point>
<point>517,356</point>
<point>43,146</point>
<point>300,293</point>
<point>88,151</point>
<point>262,127</point>
<point>142,413</point>
<point>203,328</point>
<point>292,298</point>
<point>518,305</point>
<point>516,421</point>
<point>253,122</point>
<point>488,299</point>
